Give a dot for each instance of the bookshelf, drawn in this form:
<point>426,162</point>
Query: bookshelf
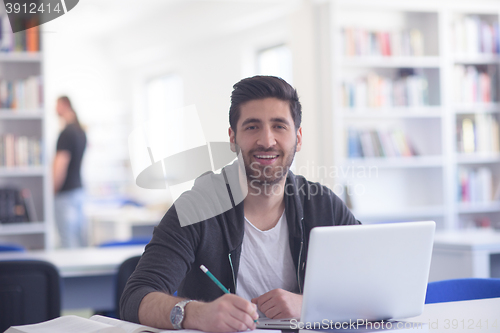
<point>415,89</point>
<point>23,161</point>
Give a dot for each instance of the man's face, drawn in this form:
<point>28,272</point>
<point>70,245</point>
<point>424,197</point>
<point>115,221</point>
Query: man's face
<point>60,108</point>
<point>266,135</point>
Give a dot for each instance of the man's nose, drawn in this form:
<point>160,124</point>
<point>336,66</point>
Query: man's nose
<point>266,138</point>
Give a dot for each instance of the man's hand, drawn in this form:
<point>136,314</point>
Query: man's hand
<point>228,313</point>
<point>279,303</point>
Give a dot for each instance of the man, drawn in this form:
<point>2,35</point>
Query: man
<point>258,248</point>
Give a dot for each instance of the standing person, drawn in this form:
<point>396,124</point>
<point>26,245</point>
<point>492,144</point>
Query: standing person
<point>257,248</point>
<point>69,194</point>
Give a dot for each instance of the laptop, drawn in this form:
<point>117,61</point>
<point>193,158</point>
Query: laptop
<point>367,272</point>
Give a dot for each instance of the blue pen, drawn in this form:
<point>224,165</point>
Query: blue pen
<point>217,282</point>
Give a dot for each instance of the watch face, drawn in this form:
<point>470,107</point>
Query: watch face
<point>176,315</point>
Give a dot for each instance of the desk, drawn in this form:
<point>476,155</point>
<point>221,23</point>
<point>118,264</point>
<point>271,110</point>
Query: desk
<point>121,223</point>
<point>440,316</point>
<point>449,317</point>
<point>465,254</point>
<point>88,274</point>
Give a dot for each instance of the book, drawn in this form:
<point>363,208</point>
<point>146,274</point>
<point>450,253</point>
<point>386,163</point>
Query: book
<point>7,38</point>
<point>21,94</point>
<point>379,143</point>
<point>376,91</point>
<point>96,324</point>
<point>22,41</point>
<point>32,37</point>
<point>472,34</point>
<point>13,207</point>
<point>29,205</point>
<point>476,84</point>
<point>478,133</point>
<point>354,145</point>
<point>363,42</point>
<point>75,324</point>
<point>20,151</point>
<point>468,136</point>
<point>475,185</point>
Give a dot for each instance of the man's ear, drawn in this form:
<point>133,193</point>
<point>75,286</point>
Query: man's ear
<point>232,139</point>
<point>299,139</point>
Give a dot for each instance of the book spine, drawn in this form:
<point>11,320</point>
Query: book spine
<point>354,145</point>
<point>12,206</point>
<point>33,37</point>
<point>479,133</point>
<point>21,94</point>
<point>475,185</point>
<point>472,35</point>
<point>29,204</point>
<point>367,144</point>
<point>378,143</point>
<point>474,85</point>
<point>364,42</point>
<point>18,151</point>
<point>375,91</point>
<point>22,41</point>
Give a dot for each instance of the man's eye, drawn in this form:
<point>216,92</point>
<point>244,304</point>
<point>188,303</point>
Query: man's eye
<point>251,127</point>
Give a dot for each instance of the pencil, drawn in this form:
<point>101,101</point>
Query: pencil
<point>217,282</point>
<point>214,279</point>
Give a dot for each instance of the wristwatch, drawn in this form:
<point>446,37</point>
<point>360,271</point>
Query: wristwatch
<point>177,314</point>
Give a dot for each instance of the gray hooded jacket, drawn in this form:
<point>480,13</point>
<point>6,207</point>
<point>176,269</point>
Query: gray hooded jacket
<point>172,259</point>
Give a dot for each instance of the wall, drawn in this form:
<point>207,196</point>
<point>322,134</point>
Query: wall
<point>212,46</point>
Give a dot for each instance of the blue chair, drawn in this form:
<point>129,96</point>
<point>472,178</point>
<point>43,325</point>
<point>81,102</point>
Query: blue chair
<point>11,247</point>
<point>29,292</point>
<point>132,241</point>
<point>124,271</point>
<point>462,290</point>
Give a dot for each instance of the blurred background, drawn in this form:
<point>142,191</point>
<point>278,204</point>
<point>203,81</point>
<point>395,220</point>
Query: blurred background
<point>400,102</point>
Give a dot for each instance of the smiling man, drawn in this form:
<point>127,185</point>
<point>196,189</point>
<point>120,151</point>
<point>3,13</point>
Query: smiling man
<point>258,248</point>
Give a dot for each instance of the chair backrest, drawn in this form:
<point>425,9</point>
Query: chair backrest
<point>11,247</point>
<point>124,271</point>
<point>29,292</point>
<point>131,241</point>
<point>462,290</point>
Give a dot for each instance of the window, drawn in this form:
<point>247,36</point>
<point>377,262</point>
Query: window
<point>164,120</point>
<point>163,94</point>
<point>277,61</point>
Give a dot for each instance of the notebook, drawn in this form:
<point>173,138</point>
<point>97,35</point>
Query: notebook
<point>367,272</point>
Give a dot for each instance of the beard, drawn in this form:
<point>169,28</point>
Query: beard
<point>266,175</point>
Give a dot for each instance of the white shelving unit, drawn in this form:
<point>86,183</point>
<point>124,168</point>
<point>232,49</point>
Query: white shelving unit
<point>29,122</point>
<point>426,185</point>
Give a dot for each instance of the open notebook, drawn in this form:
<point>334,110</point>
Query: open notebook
<point>96,324</point>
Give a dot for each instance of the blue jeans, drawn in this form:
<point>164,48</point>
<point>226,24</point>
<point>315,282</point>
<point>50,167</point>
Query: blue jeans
<point>70,220</point>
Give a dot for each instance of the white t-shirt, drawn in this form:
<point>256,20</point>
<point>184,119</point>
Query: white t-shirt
<point>266,261</point>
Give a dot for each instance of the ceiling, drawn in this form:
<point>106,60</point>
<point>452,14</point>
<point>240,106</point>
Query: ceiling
<point>99,18</point>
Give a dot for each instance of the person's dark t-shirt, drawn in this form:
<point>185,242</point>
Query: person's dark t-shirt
<point>73,140</point>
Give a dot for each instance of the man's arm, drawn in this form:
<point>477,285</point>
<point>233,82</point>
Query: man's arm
<point>279,304</point>
<point>60,168</point>
<point>228,313</point>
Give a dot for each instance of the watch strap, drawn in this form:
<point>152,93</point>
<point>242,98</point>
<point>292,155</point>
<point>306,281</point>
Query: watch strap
<point>181,305</point>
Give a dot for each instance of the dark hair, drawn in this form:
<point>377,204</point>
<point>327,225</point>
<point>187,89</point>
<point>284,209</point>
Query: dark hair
<point>67,101</point>
<point>260,87</point>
